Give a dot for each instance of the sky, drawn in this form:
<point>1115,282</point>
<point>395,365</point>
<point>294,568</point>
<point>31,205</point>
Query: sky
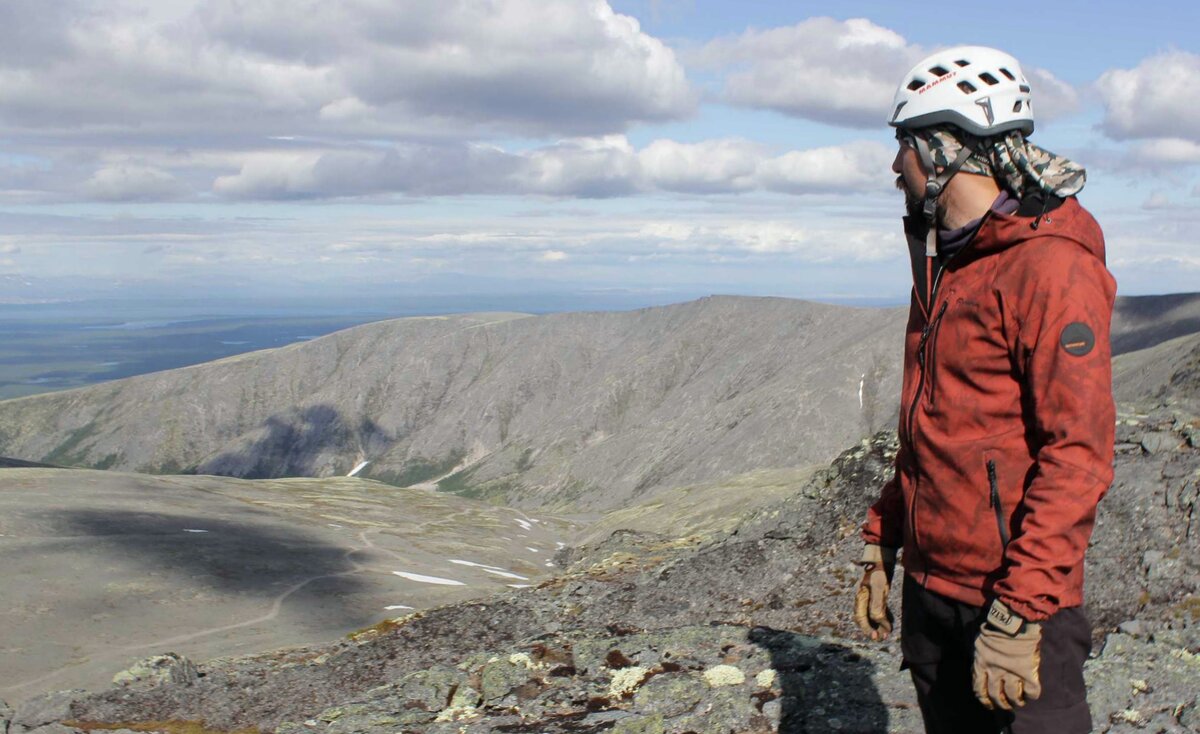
<point>222,148</point>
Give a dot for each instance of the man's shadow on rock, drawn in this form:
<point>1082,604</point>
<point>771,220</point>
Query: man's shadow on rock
<point>825,687</point>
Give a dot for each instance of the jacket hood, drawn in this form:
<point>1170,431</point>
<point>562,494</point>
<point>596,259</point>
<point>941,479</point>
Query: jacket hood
<point>1067,221</point>
<point>1036,217</point>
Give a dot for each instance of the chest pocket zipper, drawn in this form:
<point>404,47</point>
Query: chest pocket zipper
<point>994,501</point>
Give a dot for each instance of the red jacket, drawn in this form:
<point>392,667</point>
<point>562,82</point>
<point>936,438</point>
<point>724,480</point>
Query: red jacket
<point>1007,415</point>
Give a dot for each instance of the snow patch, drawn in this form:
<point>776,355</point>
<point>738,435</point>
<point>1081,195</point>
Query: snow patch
<point>428,579</point>
<point>395,607</point>
<point>525,525</point>
<point>532,550</point>
<point>519,586</point>
<point>473,564</point>
<point>506,574</point>
<point>194,530</point>
<point>861,382</point>
<point>361,465</point>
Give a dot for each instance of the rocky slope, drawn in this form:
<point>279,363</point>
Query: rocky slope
<point>748,632</point>
<point>576,411</point>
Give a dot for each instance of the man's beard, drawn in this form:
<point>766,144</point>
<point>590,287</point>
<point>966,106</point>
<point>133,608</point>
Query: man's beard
<point>914,204</point>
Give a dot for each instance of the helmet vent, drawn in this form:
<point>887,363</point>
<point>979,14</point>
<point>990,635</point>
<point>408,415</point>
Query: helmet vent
<point>967,87</point>
<point>1008,74</point>
<point>962,62</point>
<point>1017,106</point>
<point>988,79</point>
<point>915,84</point>
<point>1025,88</point>
<point>938,71</point>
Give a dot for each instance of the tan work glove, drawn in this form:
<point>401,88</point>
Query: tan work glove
<point>871,611</point>
<point>1007,658</point>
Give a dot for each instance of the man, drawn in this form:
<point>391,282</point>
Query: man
<point>1007,416</point>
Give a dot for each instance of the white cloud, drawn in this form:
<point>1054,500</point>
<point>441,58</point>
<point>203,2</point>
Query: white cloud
<point>841,72</point>
<point>855,166</point>
<point>425,170</point>
<point>9,249</point>
<point>553,256</point>
<point>1153,100</point>
<point>808,244</point>
<point>1157,200</point>
<point>240,69</point>
<point>1052,97</point>
<point>588,167</point>
<point>602,167</point>
<point>132,183</point>
<point>1167,151</point>
<point>705,167</point>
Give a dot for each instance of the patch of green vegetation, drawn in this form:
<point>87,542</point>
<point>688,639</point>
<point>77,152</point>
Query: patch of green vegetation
<point>165,727</point>
<point>108,462</point>
<point>170,466</point>
<point>525,461</point>
<point>496,491</point>
<point>68,451</point>
<point>457,483</point>
<point>418,470</point>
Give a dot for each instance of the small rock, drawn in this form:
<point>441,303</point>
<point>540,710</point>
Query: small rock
<point>773,710</point>
<point>638,725</point>
<point>1133,628</point>
<point>45,709</point>
<point>1190,716</point>
<point>670,695</point>
<point>158,670</point>
<point>428,689</point>
<point>501,676</point>
<point>1192,434</point>
<point>1159,442</point>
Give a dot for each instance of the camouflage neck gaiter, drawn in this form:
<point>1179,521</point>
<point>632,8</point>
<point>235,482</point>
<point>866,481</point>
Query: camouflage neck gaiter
<point>1010,159</point>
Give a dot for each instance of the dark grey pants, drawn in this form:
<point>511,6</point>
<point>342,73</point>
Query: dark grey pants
<point>937,637</point>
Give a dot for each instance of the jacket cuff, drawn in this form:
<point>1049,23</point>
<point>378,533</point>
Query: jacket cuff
<point>1025,611</point>
<point>878,555</point>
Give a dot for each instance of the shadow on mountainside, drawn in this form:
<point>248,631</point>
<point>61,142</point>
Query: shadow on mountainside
<point>309,442</point>
<point>825,687</point>
<point>1141,322</point>
<point>236,559</point>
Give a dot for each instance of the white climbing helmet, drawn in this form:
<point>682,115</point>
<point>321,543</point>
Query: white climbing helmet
<point>979,89</point>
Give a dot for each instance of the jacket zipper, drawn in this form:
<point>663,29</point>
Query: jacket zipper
<point>912,408</point>
<point>937,328</point>
<point>995,502</point>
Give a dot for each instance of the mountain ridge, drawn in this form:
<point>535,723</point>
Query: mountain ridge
<point>586,409</point>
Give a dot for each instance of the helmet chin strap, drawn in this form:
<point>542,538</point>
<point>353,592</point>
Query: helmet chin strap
<point>936,184</point>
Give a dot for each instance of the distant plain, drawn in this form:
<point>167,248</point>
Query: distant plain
<point>61,346</point>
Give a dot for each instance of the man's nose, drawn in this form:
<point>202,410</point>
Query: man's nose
<point>896,161</point>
